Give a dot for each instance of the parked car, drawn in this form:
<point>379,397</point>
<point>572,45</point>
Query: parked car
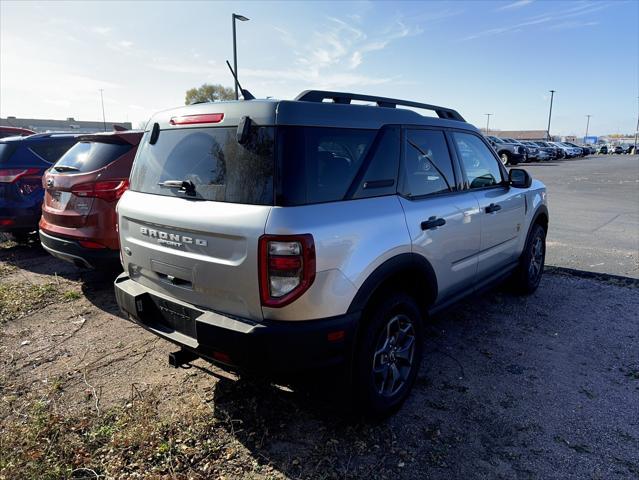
<point>583,150</point>
<point>23,160</point>
<point>509,153</point>
<point>6,131</point>
<point>617,150</point>
<point>534,152</point>
<point>318,251</point>
<point>603,150</point>
<point>79,223</point>
<point>569,152</point>
<point>552,150</point>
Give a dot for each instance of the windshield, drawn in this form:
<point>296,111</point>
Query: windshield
<point>89,156</point>
<point>210,162</point>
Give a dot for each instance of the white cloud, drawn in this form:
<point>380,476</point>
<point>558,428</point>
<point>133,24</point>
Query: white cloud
<point>101,30</point>
<point>513,5</point>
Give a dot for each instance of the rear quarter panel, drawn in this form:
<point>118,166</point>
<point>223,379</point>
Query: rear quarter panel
<point>352,239</point>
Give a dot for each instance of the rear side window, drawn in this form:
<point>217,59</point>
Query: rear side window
<point>52,151</point>
<point>211,161</point>
<point>427,165</point>
<point>91,156</point>
<point>318,164</point>
<point>6,150</point>
<point>482,169</point>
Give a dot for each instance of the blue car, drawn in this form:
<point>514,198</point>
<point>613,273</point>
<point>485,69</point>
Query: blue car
<point>23,160</point>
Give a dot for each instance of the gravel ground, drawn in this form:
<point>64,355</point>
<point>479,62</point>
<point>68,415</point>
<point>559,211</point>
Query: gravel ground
<point>545,386</point>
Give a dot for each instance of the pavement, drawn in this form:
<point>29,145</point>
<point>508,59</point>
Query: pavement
<point>594,213</point>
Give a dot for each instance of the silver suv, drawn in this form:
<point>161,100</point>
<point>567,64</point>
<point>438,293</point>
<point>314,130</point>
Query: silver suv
<point>287,235</point>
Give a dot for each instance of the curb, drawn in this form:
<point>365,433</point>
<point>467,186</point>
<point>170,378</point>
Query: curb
<point>602,277</point>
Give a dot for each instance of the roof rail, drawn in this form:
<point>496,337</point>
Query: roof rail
<point>346,98</point>
<point>50,134</point>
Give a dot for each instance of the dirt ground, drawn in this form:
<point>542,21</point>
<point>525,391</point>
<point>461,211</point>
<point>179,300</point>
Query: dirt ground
<point>545,386</point>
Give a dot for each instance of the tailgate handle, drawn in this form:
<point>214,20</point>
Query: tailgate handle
<point>173,280</point>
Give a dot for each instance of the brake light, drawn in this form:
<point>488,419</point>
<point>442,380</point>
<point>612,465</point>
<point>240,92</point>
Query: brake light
<point>11,175</point>
<point>6,222</point>
<point>192,119</point>
<point>109,190</point>
<point>287,268</point>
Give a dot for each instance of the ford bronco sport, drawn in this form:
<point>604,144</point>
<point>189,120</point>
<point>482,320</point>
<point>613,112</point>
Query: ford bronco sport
<point>286,235</point>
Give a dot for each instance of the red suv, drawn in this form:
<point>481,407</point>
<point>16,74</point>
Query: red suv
<point>79,223</point>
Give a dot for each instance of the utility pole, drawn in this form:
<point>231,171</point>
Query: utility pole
<point>552,95</point>
<point>241,18</point>
<point>587,125</point>
<point>103,117</point>
<point>637,129</point>
<point>487,122</point>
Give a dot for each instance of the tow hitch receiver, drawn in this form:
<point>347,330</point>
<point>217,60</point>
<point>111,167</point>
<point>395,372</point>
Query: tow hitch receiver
<point>181,357</point>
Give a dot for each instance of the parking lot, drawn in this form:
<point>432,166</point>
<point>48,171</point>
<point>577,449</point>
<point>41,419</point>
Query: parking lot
<point>544,386</point>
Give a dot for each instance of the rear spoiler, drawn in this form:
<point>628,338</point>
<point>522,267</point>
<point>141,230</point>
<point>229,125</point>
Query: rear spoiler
<point>132,137</point>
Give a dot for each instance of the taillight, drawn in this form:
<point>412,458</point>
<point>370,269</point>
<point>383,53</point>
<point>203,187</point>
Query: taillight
<point>193,119</point>
<point>109,190</point>
<point>12,175</point>
<point>287,268</point>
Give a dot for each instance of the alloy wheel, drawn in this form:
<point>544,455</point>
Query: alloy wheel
<point>394,355</point>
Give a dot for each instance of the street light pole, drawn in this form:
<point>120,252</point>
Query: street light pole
<point>103,117</point>
<point>637,129</point>
<point>487,122</point>
<point>587,125</point>
<point>241,18</point>
<point>552,95</point>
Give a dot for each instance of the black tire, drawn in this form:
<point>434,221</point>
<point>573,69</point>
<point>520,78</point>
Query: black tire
<point>382,377</point>
<point>531,264</point>
<point>505,158</point>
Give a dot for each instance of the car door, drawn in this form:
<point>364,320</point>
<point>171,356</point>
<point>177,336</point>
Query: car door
<point>442,220</point>
<point>502,208</point>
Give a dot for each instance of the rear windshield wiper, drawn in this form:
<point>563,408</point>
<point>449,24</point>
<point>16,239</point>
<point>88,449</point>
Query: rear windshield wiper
<point>66,168</point>
<point>186,186</point>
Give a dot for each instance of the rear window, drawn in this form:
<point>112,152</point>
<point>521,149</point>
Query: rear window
<point>90,156</point>
<point>6,150</point>
<point>52,151</point>
<point>318,164</point>
<point>212,161</point>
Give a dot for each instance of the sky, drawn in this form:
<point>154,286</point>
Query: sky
<point>478,57</point>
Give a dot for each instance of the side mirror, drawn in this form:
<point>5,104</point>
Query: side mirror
<point>519,178</point>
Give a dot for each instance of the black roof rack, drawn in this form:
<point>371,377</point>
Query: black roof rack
<point>346,98</point>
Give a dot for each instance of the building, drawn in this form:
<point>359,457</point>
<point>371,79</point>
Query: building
<point>68,125</point>
<point>518,134</point>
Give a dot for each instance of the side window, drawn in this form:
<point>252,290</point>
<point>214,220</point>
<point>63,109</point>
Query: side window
<point>427,167</point>
<point>382,164</point>
<point>51,152</point>
<point>480,164</point>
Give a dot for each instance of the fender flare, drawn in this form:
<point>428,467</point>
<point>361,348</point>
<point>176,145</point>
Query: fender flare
<point>402,263</point>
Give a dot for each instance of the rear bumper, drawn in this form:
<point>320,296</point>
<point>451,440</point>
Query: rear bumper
<point>268,346</point>
<point>21,221</point>
<point>71,251</point>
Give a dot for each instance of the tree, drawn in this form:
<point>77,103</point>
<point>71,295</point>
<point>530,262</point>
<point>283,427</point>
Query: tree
<point>208,93</point>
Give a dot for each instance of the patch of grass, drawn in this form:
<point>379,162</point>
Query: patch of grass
<point>19,299</point>
<point>71,295</point>
<point>121,441</point>
<point>6,269</point>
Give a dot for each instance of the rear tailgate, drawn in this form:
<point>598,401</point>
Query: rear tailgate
<point>197,205</point>
<point>203,253</point>
<point>60,206</point>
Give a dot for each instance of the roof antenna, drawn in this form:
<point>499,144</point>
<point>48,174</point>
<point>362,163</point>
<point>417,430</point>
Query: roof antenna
<point>245,93</point>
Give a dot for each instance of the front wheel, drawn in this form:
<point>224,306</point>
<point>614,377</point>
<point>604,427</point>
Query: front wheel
<point>388,356</point>
<point>531,265</point>
<point>505,158</point>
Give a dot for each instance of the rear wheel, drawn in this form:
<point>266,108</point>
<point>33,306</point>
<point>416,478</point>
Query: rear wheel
<point>531,265</point>
<point>388,355</point>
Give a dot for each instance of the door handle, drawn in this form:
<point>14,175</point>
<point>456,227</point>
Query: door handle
<point>432,223</point>
<point>493,207</point>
